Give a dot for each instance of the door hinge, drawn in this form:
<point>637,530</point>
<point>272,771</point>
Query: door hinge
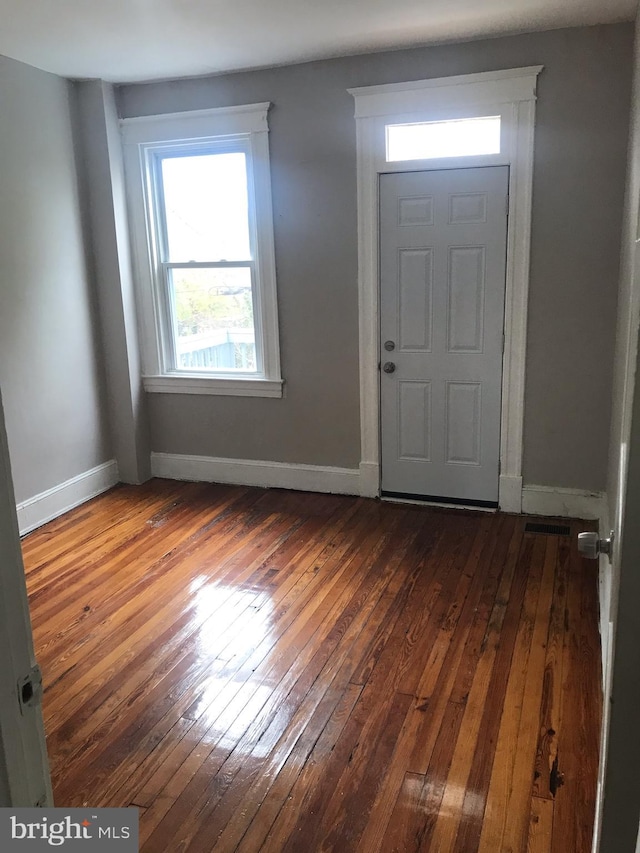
<point>30,689</point>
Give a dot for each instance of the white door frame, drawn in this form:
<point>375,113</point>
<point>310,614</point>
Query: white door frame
<point>511,94</point>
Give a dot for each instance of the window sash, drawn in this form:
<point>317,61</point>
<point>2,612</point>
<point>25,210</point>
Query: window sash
<point>238,144</point>
<point>171,326</point>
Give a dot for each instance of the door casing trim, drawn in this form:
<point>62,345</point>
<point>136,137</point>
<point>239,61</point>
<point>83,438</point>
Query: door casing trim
<point>511,94</point>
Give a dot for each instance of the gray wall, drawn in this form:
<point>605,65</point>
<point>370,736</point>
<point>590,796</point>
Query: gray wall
<point>582,121</point>
<point>101,172</point>
<point>50,371</point>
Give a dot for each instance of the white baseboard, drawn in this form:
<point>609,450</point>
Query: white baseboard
<point>568,503</point>
<point>250,472</point>
<point>48,505</point>
<point>510,494</point>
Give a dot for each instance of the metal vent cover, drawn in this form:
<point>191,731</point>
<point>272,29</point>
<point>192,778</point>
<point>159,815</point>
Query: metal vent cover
<point>548,529</point>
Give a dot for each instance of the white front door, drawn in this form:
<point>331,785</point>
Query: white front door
<point>442,282</point>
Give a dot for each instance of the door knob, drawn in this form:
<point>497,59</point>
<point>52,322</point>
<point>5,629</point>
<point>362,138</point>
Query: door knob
<point>590,545</point>
<point>388,367</point>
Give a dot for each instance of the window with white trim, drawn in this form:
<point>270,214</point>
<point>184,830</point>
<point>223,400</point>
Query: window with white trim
<point>200,198</point>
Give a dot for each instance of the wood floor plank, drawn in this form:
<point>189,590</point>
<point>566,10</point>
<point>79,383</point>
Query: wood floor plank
<point>579,715</point>
<point>116,689</point>
<point>268,828</point>
<point>267,671</point>
<point>540,826</point>
<point>296,723</point>
<point>167,770</point>
<point>417,742</point>
<point>434,743</point>
<point>194,798</point>
<point>495,772</point>
<point>129,605</point>
<point>130,724</point>
<point>547,749</point>
<point>452,812</point>
<point>523,778</point>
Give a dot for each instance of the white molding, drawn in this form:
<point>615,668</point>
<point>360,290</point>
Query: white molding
<point>376,106</point>
<point>566,503</point>
<point>444,93</point>
<point>41,508</point>
<point>251,472</point>
<point>510,491</point>
<point>192,124</point>
<point>369,479</point>
<point>235,387</point>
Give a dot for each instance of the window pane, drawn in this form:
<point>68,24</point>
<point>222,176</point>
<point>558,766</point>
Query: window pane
<point>456,138</point>
<point>206,207</point>
<point>214,319</point>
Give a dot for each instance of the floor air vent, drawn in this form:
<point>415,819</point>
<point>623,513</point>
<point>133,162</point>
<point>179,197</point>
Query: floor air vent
<point>549,529</point>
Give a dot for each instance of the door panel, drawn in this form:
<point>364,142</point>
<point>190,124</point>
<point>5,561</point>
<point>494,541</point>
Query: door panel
<point>465,308</point>
<point>442,276</point>
<point>414,412</point>
<point>414,299</point>
<point>462,420</point>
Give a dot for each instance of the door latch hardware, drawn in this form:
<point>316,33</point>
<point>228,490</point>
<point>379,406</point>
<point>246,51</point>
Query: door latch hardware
<point>30,689</point>
<point>389,346</point>
<point>388,367</point>
<point>590,545</point>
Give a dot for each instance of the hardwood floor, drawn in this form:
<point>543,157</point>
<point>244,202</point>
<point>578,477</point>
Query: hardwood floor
<point>279,671</point>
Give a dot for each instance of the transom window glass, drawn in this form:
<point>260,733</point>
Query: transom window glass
<point>208,259</point>
<point>434,139</point>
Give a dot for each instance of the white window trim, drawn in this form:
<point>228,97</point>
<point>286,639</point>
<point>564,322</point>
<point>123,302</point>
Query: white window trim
<point>141,135</point>
<point>512,95</point>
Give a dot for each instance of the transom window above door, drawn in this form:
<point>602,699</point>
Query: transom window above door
<point>427,140</point>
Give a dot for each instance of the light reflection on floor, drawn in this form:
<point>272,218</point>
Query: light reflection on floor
<point>415,791</point>
<point>227,705</point>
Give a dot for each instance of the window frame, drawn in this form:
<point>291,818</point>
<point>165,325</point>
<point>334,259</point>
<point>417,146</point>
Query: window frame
<point>145,141</point>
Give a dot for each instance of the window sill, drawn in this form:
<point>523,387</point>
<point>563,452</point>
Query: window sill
<point>194,384</point>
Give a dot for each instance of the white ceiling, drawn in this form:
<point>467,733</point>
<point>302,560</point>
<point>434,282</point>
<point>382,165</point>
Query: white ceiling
<point>127,40</point>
